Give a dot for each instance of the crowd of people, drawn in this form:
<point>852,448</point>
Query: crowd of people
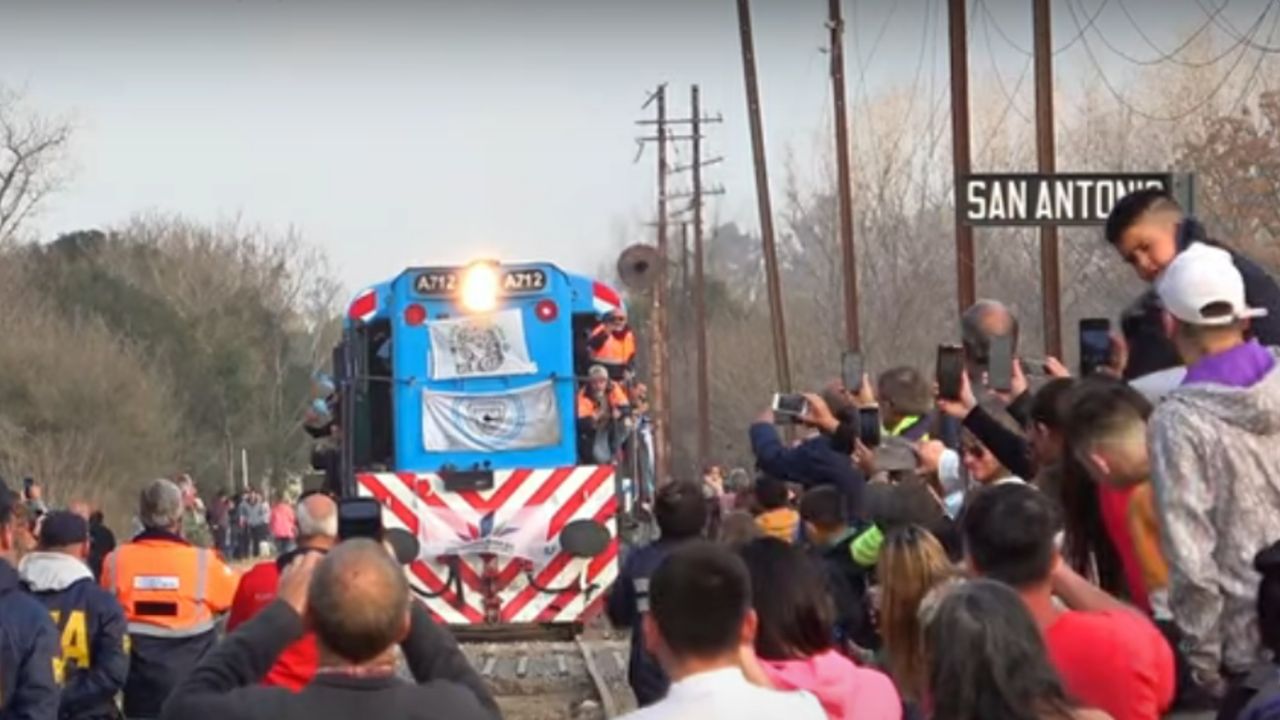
<point>1101,546</point>
<point>1074,548</point>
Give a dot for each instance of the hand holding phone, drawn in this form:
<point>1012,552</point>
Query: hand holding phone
<point>950,371</point>
<point>789,408</point>
<point>359,518</point>
<point>1095,345</point>
<point>851,370</point>
<point>869,426</point>
<point>1000,369</point>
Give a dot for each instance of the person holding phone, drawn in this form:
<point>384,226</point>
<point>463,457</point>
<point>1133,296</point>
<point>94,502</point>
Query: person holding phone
<point>317,518</point>
<point>816,460</point>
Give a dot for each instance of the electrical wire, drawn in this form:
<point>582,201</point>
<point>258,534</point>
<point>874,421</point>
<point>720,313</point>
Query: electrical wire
<point>1227,27</point>
<point>1119,97</point>
<point>1030,53</point>
<point>995,69</point>
<point>1004,114</point>
<point>1164,56</point>
<point>860,90</point>
<point>1172,56</point>
<point>1257,66</point>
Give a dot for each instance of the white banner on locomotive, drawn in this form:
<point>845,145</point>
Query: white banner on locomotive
<point>490,422</point>
<point>488,345</point>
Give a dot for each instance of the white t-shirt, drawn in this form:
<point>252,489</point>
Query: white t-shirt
<point>727,695</point>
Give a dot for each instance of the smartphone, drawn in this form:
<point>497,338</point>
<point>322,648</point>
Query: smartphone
<point>869,426</point>
<point>950,371</point>
<point>1000,363</point>
<point>851,370</point>
<point>787,408</point>
<point>1095,345</point>
<point>359,518</point>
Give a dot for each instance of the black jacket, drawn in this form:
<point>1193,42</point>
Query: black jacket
<point>28,645</point>
<point>223,686</point>
<point>92,628</point>
<point>101,542</point>
<point>847,582</point>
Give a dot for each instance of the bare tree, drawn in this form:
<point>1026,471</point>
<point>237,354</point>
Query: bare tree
<point>32,152</point>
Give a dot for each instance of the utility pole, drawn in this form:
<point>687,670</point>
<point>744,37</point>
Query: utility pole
<point>1050,281</point>
<point>700,288</point>
<point>957,19</point>
<point>659,366</point>
<point>696,195</point>
<point>844,183</point>
<point>772,276</point>
<point>684,261</point>
<point>662,414</point>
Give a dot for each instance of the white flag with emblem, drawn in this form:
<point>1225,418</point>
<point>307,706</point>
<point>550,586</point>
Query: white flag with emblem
<point>508,420</point>
<point>490,345</point>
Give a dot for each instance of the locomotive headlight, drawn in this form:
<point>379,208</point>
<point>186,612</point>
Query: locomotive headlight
<point>480,285</point>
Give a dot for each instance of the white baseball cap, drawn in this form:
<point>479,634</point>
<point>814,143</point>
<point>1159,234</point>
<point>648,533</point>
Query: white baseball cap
<point>1201,276</point>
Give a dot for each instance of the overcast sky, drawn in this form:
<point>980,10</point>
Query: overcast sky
<point>401,133</point>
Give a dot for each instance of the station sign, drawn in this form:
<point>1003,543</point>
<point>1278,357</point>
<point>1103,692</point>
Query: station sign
<point>1059,199</point>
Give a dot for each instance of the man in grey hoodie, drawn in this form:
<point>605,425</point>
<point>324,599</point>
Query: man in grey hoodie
<point>1215,452</point>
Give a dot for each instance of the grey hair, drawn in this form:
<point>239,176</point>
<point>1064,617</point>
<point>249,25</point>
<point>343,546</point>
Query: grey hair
<point>160,507</point>
<point>310,526</point>
<point>974,334</point>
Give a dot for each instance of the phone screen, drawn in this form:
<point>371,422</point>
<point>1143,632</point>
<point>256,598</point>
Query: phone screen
<point>1000,363</point>
<point>949,369</point>
<point>1095,345</point>
<point>851,370</point>
<point>869,426</point>
<point>359,518</point>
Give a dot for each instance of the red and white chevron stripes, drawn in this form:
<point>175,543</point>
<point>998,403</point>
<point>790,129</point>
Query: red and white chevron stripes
<point>530,506</point>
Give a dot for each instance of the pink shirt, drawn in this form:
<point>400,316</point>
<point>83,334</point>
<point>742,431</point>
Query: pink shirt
<point>282,523</point>
<point>846,691</point>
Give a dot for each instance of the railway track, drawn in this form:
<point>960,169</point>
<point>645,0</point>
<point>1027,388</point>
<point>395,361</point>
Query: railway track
<point>579,678</point>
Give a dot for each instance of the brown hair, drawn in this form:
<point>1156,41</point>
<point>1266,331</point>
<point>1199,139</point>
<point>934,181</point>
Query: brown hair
<point>912,563</point>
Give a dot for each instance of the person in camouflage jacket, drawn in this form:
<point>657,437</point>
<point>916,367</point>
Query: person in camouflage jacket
<point>195,524</point>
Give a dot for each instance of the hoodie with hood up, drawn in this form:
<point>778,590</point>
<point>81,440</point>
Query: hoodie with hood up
<point>1215,460</point>
<point>845,690</point>
<point>92,626</point>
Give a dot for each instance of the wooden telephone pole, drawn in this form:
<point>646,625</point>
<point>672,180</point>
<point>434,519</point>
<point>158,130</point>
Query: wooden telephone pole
<point>849,267</point>
<point>763,204</point>
<point>699,287</point>
<point>957,20</point>
<point>1050,282</point>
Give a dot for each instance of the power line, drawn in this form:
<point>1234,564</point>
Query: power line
<point>1227,27</point>
<point>1119,97</point>
<point>995,69</point>
<point>1257,66</point>
<point>1018,47</point>
<point>1172,56</point>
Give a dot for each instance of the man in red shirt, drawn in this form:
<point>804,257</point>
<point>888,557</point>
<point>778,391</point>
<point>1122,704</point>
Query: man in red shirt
<point>317,518</point>
<point>1110,656</point>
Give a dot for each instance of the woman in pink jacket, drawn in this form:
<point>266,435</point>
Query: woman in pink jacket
<point>795,641</point>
